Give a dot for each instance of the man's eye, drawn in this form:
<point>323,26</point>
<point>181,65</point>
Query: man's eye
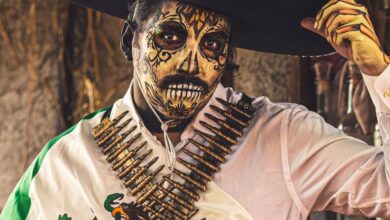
<point>169,41</point>
<point>170,37</point>
<point>212,44</point>
<point>212,48</point>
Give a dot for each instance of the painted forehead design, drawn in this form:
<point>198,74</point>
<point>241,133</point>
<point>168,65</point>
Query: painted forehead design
<point>197,18</point>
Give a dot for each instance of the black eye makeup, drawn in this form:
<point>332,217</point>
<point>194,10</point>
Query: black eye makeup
<point>170,35</point>
<point>212,44</point>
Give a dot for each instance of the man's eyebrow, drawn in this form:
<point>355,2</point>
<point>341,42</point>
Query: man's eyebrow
<point>170,16</point>
<point>217,34</point>
<point>219,27</point>
<point>173,24</point>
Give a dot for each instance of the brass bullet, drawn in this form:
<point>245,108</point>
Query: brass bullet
<point>179,199</point>
<point>128,156</point>
<point>187,178</point>
<point>128,169</point>
<point>164,204</point>
<point>150,202</point>
<point>123,147</point>
<point>208,151</point>
<point>107,136</point>
<point>176,198</point>
<point>184,190</point>
<point>159,215</point>
<point>224,125</point>
<point>219,133</point>
<point>141,217</point>
<point>135,163</point>
<point>118,128</point>
<point>119,117</point>
<point>140,172</point>
<point>161,209</point>
<point>118,139</point>
<point>101,128</point>
<point>230,116</point>
<point>145,181</point>
<point>106,124</point>
<point>115,131</point>
<point>202,161</point>
<point>195,169</point>
<point>212,141</point>
<point>234,108</point>
<point>142,198</point>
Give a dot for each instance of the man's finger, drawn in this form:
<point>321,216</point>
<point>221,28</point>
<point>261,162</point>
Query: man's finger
<point>352,33</point>
<point>325,12</point>
<point>345,19</point>
<point>345,33</point>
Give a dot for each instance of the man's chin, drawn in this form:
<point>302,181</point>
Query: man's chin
<point>178,115</point>
<point>179,112</point>
<point>179,118</point>
<point>175,108</point>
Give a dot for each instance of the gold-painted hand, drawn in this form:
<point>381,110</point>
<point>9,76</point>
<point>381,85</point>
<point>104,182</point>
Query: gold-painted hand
<point>348,28</point>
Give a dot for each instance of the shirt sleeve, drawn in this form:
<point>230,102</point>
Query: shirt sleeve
<point>379,89</point>
<point>328,170</point>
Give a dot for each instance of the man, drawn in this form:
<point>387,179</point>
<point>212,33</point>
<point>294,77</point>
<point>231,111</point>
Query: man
<point>180,146</point>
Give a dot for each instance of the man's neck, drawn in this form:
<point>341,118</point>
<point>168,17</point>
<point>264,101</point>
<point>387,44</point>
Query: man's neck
<point>149,118</point>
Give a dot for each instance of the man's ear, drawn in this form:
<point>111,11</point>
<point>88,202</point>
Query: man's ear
<point>127,35</point>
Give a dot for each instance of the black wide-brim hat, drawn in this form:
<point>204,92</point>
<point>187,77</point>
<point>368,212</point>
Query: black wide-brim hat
<point>262,25</point>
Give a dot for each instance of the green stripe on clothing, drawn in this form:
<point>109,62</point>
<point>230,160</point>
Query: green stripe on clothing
<point>19,202</point>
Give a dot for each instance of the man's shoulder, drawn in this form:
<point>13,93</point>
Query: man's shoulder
<point>85,124</point>
<point>75,135</point>
<point>263,103</point>
<point>71,146</point>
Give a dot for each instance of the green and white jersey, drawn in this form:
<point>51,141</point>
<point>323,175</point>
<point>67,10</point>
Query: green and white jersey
<point>50,188</point>
<point>288,163</point>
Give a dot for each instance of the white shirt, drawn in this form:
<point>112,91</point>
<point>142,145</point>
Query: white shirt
<point>289,163</point>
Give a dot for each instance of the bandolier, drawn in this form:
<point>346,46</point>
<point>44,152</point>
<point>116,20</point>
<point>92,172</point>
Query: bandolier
<point>166,198</point>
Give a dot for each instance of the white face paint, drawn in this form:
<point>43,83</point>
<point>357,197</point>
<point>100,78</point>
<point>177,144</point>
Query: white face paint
<point>180,58</point>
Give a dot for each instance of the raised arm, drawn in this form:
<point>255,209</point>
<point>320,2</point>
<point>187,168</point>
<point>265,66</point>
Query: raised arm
<point>328,169</point>
<point>332,171</point>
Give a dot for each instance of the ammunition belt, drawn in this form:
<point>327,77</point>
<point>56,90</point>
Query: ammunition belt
<point>167,198</point>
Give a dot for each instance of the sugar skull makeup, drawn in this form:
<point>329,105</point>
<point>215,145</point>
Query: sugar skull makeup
<point>179,58</point>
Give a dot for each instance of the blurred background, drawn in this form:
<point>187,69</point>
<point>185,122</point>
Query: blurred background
<point>59,62</point>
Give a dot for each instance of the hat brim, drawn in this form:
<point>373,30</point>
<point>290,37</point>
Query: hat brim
<point>263,25</point>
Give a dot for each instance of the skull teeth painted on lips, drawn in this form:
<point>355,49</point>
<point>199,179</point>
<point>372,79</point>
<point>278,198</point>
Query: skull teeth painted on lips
<point>182,91</point>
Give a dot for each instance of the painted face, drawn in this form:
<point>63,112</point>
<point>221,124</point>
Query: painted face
<point>179,58</point>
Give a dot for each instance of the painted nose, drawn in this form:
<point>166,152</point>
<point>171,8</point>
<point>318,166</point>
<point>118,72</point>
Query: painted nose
<point>190,64</point>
